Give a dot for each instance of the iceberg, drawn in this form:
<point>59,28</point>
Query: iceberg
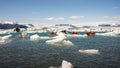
<point>59,40</point>
<point>114,33</point>
<point>6,37</point>
<point>34,37</point>
<point>90,51</point>
<point>66,64</point>
<point>54,41</point>
<point>70,35</point>
<point>60,35</point>
<point>46,38</point>
<point>67,42</point>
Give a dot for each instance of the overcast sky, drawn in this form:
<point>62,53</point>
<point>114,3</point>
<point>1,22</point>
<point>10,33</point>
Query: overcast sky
<point>60,11</point>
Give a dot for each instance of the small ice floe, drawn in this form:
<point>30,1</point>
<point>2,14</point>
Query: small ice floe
<point>60,35</point>
<point>34,37</point>
<point>59,41</point>
<point>55,41</point>
<point>67,42</point>
<point>46,38</point>
<point>6,37</point>
<point>66,64</point>
<point>114,33</point>
<point>31,31</point>
<point>90,51</point>
<point>1,40</point>
<point>70,35</point>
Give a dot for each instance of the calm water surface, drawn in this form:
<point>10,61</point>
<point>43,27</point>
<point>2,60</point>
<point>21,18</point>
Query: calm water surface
<point>24,53</point>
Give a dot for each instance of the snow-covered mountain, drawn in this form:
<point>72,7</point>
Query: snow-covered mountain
<point>11,25</point>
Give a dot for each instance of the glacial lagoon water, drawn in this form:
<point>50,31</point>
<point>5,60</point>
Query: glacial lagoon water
<point>25,53</point>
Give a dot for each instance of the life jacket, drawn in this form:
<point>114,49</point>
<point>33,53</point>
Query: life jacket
<point>74,33</point>
<point>88,33</point>
<point>92,33</point>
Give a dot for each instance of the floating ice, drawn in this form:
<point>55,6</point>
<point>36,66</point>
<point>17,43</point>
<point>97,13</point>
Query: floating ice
<point>66,64</point>
<point>46,38</point>
<point>114,33</point>
<point>53,67</point>
<point>34,37</point>
<point>54,41</point>
<point>60,35</point>
<point>6,37</point>
<point>70,35</point>
<point>1,40</point>
<point>90,51</point>
<point>59,40</point>
<point>67,42</point>
<point>31,31</point>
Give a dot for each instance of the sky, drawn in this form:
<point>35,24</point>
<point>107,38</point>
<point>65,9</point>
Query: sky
<point>60,11</point>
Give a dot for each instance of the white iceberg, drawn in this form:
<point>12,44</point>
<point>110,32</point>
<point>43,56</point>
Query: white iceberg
<point>54,41</point>
<point>60,35</point>
<point>59,40</point>
<point>46,38</point>
<point>6,37</point>
<point>90,51</point>
<point>107,34</point>
<point>1,40</point>
<point>67,42</point>
<point>66,64</point>
<point>31,31</point>
<point>70,35</point>
<point>34,37</point>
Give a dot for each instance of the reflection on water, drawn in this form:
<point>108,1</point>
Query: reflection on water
<point>24,53</point>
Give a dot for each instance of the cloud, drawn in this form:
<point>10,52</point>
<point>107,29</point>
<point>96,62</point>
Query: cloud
<point>50,18</point>
<point>76,17</point>
<point>55,19</point>
<point>104,17</point>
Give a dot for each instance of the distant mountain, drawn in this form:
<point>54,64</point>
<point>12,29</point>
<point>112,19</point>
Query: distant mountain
<point>11,26</point>
<point>104,25</point>
<point>116,25</point>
